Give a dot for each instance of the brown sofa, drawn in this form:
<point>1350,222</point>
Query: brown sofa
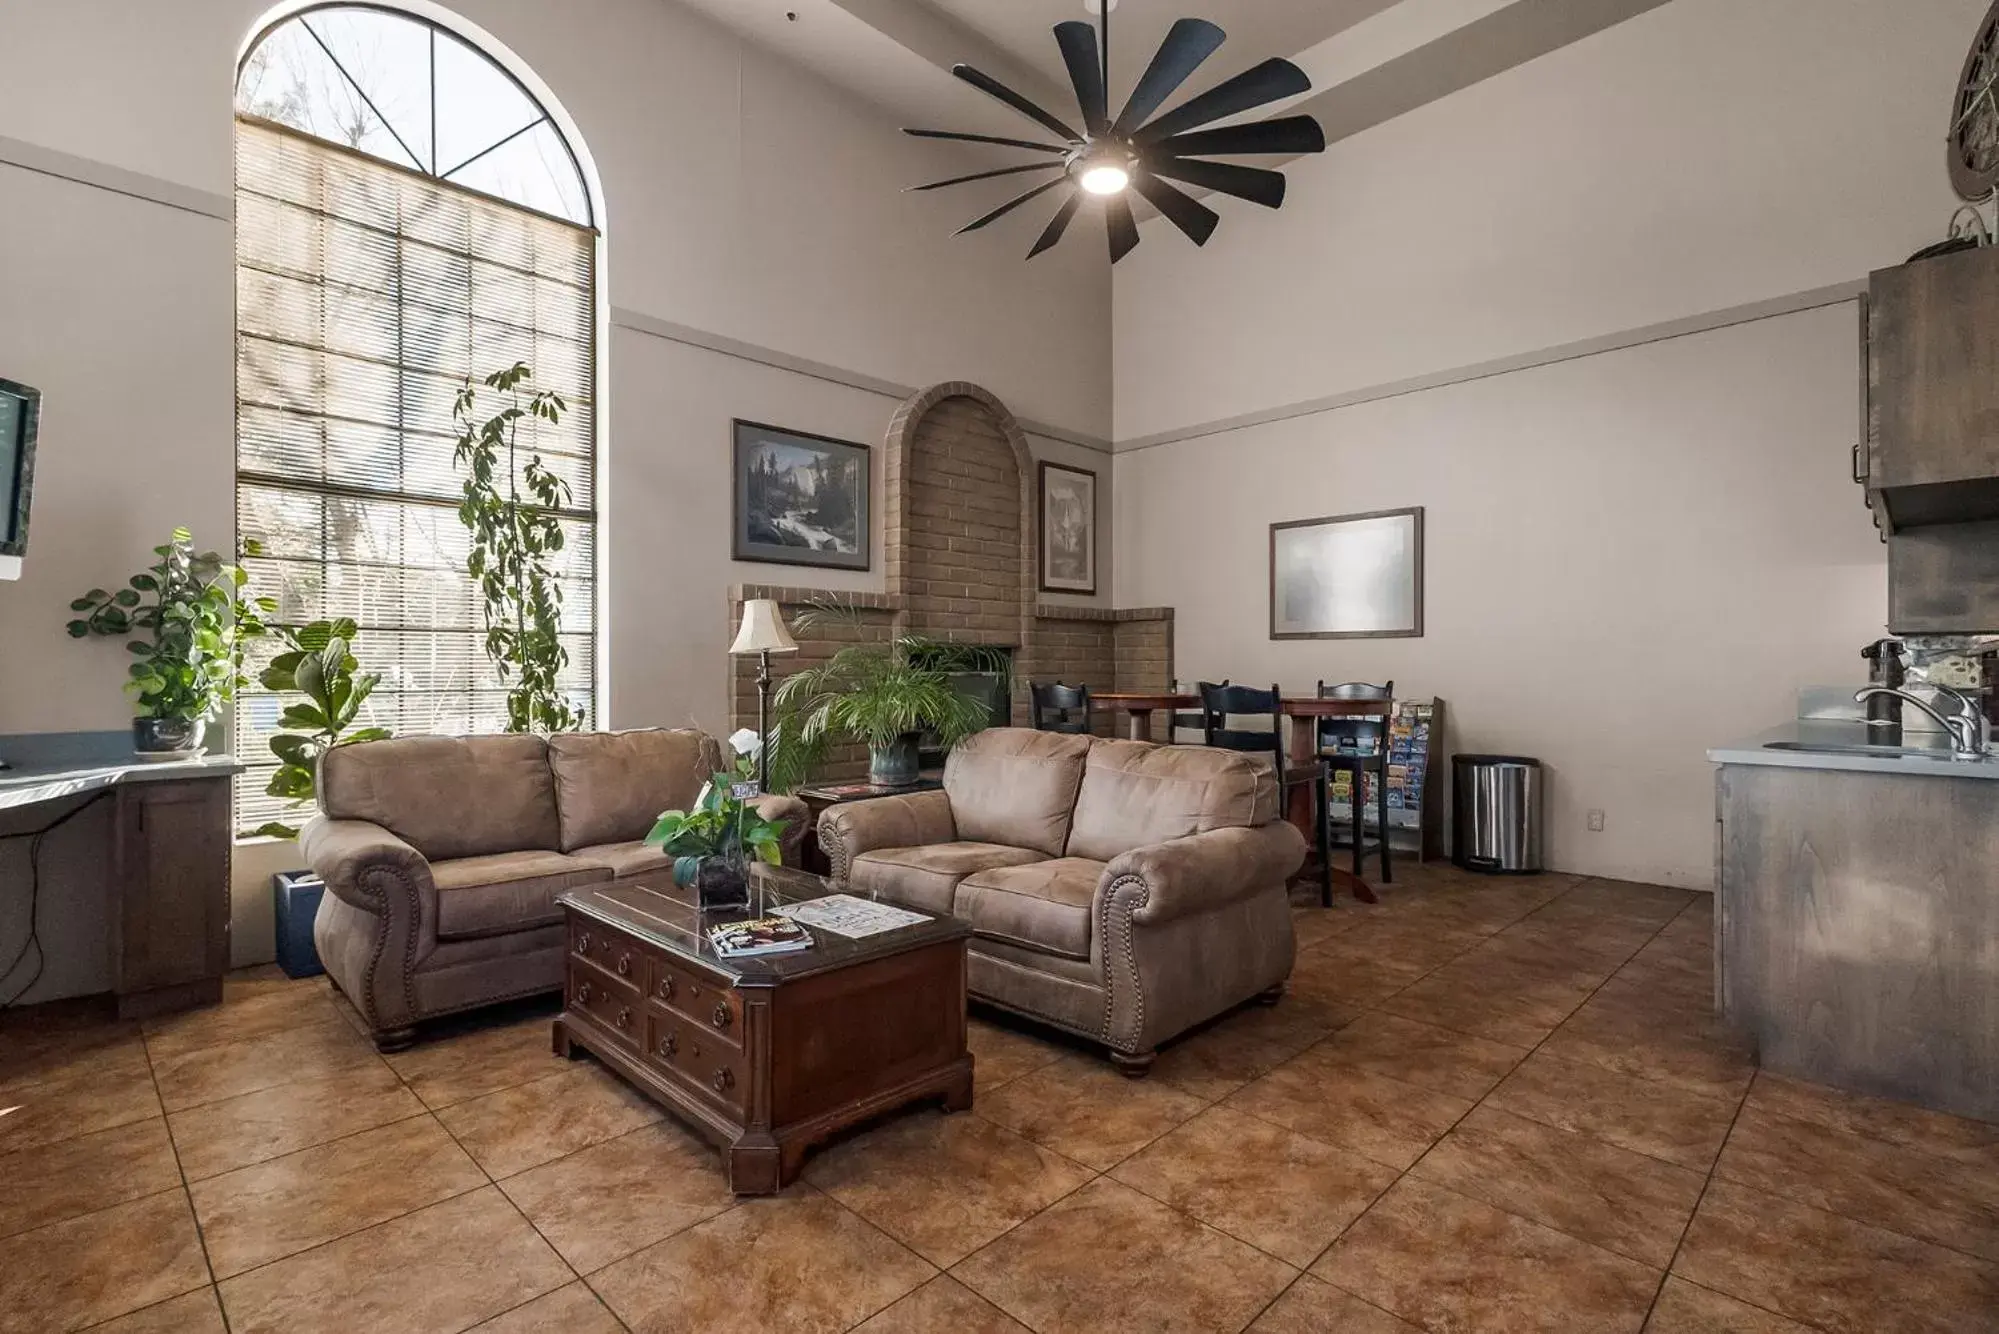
<point>443,857</point>
<point>1122,891</point>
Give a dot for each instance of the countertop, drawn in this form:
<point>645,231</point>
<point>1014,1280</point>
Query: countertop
<point>1933,759</point>
<point>52,765</point>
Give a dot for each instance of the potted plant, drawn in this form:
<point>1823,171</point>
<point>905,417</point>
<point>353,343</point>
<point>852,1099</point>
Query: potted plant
<point>713,844</point>
<point>318,663</point>
<point>885,695</point>
<point>187,622</point>
<point>515,538</point>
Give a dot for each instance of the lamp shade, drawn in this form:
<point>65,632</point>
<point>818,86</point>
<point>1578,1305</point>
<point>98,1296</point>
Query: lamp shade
<point>763,629</point>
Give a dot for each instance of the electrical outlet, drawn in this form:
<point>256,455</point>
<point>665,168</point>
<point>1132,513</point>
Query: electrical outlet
<point>1596,822</point>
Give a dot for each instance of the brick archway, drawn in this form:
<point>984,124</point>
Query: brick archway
<point>961,563</point>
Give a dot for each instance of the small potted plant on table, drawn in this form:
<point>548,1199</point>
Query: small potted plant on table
<point>713,844</point>
<point>187,624</point>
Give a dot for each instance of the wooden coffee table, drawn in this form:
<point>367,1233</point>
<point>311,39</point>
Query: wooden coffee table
<point>764,1056</point>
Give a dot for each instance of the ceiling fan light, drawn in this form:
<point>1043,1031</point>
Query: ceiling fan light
<point>1105,178</point>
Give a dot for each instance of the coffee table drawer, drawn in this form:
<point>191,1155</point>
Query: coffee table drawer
<point>611,1003</point>
<point>697,1000</point>
<point>618,957</point>
<point>689,1054</point>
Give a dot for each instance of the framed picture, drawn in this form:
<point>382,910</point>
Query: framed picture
<point>801,499</point>
<point>1068,512</point>
<point>1349,576</point>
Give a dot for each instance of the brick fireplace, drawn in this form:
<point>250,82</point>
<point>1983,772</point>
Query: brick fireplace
<point>960,551</point>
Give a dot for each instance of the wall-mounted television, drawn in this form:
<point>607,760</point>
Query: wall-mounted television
<point>20,417</point>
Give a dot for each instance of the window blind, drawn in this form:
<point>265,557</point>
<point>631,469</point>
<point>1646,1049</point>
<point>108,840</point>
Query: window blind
<point>365,295</point>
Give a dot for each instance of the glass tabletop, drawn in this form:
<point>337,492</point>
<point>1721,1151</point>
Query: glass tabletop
<point>665,915</point>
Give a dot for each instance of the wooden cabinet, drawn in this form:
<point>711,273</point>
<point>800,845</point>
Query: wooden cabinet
<point>1933,375</point>
<point>170,894</point>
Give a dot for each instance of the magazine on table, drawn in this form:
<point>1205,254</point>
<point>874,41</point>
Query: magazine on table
<point>759,935</point>
<point>855,918</point>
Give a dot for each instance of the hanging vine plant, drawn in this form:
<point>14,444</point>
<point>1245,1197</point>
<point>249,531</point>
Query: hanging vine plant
<point>515,539</point>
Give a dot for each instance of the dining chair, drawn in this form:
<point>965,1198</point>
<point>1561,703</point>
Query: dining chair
<point>1221,707</point>
<point>1196,721</point>
<point>1060,708</point>
<point>1358,746</point>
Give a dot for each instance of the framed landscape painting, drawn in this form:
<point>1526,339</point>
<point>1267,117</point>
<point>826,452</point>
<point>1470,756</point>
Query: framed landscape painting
<point>1068,529</point>
<point>801,499</point>
<point>1349,576</point>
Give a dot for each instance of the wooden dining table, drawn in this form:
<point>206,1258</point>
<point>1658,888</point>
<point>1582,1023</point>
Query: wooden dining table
<point>1303,713</point>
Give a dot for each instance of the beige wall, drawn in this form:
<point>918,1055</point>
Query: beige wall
<point>1629,558</point>
<point>747,201</point>
<point>1633,556</point>
<point>1702,155</point>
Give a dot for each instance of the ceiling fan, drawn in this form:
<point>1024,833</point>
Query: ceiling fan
<point>1133,152</point>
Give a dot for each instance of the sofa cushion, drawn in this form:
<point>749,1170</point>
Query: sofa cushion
<point>507,891</point>
<point>626,860</point>
<point>446,796</point>
<point>1017,787</point>
<point>611,786</point>
<point>1135,794</point>
<point>926,878</point>
<point>1044,906</point>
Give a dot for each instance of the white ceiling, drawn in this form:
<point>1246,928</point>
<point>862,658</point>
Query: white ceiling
<point>1369,60</point>
<point>1257,30</point>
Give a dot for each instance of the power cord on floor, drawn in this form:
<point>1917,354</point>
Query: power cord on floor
<point>34,937</point>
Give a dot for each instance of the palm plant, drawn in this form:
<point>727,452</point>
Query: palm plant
<point>884,695</point>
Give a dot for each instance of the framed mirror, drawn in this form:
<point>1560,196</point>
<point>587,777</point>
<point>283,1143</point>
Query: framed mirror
<point>1348,576</point>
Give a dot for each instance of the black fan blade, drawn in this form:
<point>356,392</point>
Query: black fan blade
<point>987,175</point>
<point>1273,79</point>
<point>1286,134</point>
<point>988,139</point>
<point>1123,227</point>
<point>1009,206</point>
<point>1187,213</point>
<point>1079,52</point>
<point>1058,224</point>
<point>1251,183</point>
<point>1190,42</point>
<point>994,88</point>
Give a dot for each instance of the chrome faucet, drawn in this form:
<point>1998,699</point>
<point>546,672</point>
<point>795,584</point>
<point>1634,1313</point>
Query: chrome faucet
<point>1966,727</point>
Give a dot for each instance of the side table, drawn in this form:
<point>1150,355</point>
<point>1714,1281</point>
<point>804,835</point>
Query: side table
<point>819,796</point>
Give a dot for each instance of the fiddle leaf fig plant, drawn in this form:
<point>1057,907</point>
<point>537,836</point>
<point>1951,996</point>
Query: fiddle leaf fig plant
<point>319,664</point>
<point>185,619</point>
<point>511,506</point>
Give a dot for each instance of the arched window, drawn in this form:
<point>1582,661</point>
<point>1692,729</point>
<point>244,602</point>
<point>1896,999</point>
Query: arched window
<point>407,215</point>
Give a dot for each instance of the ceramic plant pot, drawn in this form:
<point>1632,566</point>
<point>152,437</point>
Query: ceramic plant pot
<point>894,765</point>
<point>157,736</point>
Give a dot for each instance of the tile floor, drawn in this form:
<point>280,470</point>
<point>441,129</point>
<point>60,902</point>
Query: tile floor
<point>1485,1105</point>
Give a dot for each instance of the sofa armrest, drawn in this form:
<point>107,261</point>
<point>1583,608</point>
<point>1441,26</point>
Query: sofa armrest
<point>797,817</point>
<point>909,821</point>
<point>1193,926</point>
<point>1201,871</point>
<point>385,922</point>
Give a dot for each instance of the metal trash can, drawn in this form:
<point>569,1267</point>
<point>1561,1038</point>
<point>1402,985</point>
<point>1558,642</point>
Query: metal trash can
<point>1496,814</point>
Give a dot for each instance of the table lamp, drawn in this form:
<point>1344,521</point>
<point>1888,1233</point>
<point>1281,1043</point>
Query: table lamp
<point>762,633</point>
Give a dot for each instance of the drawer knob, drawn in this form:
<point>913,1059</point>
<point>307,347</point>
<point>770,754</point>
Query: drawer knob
<point>624,1016</point>
<point>624,965</point>
<point>583,993</point>
<point>724,1080</point>
<point>666,988</point>
<point>668,1045</point>
<point>583,942</point>
<point>721,1017</point>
